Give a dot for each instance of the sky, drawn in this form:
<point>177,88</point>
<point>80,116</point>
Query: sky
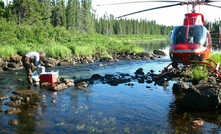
<point>168,16</point>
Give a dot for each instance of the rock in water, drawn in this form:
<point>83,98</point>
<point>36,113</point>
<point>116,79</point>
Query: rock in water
<point>63,84</point>
<point>199,97</point>
<point>96,77</point>
<point>63,63</point>
<point>82,85</point>
<point>16,103</point>
<point>24,92</point>
<point>68,81</point>
<point>159,52</point>
<point>197,123</point>
<point>59,87</point>
<point>13,111</point>
<point>139,72</point>
<point>45,84</point>
<point>13,122</point>
<point>53,101</point>
<point>14,98</point>
<point>144,55</point>
<point>3,98</point>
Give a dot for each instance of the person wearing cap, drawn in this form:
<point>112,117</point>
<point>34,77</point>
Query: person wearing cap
<point>30,60</point>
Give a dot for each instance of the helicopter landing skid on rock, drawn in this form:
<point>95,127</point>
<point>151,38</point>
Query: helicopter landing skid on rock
<point>209,62</point>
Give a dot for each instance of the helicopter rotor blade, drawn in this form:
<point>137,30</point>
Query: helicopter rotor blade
<point>212,1</point>
<point>134,2</point>
<point>166,1</point>
<point>149,9</point>
<point>213,5</point>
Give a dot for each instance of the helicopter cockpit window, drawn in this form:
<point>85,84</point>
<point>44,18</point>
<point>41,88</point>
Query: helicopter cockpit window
<point>179,35</point>
<point>196,35</point>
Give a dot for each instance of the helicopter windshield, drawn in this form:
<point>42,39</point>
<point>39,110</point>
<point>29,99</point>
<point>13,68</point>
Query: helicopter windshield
<point>196,35</point>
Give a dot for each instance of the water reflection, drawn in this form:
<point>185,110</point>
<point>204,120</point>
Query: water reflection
<point>185,121</point>
<point>149,46</point>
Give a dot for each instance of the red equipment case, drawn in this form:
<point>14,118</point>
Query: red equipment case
<point>50,78</point>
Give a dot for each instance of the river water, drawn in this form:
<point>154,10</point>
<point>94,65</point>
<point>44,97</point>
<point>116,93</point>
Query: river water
<point>105,109</point>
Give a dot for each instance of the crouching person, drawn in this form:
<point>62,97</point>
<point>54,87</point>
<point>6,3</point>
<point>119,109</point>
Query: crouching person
<point>30,61</point>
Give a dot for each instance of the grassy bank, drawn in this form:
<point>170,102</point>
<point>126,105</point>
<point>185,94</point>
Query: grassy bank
<point>200,72</point>
<point>216,57</point>
<point>61,43</point>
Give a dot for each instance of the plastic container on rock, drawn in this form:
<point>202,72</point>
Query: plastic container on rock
<point>49,77</point>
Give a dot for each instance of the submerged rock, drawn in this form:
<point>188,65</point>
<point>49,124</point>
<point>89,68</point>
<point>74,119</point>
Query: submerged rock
<point>16,103</point>
<point>82,85</point>
<point>13,122</point>
<point>197,123</point>
<point>53,101</point>
<point>117,79</point>
<point>25,92</point>
<point>14,98</point>
<point>45,84</point>
<point>3,98</point>
<point>13,111</point>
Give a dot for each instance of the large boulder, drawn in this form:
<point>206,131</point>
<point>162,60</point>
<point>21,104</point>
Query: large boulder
<point>202,96</point>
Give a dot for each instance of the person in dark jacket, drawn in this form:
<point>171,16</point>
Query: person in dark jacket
<point>30,61</point>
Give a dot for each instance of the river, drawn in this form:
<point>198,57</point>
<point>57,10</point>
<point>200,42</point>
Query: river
<point>105,109</point>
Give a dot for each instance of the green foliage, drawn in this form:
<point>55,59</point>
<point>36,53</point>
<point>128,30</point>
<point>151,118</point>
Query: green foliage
<point>57,51</point>
<point>214,30</point>
<point>200,73</point>
<point>61,43</point>
<point>216,57</point>
<point>65,28</point>
<point>7,51</point>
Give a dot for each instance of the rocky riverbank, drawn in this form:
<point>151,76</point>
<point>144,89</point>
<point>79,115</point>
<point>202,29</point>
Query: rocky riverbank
<point>14,62</point>
<point>200,94</point>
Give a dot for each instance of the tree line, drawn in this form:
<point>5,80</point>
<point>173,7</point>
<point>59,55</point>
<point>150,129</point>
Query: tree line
<point>74,15</point>
<point>213,27</point>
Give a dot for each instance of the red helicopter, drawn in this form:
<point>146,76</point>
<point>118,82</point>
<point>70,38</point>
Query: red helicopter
<point>191,43</point>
